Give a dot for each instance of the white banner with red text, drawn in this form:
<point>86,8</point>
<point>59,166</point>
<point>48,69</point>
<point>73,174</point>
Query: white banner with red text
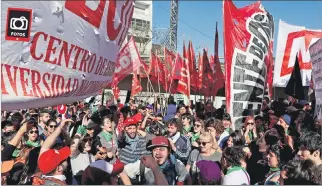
<point>57,52</point>
<point>293,40</point>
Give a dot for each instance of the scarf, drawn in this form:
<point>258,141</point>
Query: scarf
<point>16,153</point>
<point>168,169</point>
<point>234,168</point>
<point>272,169</point>
<point>250,134</point>
<point>29,143</point>
<point>107,136</point>
<point>133,142</point>
<point>33,144</point>
<point>186,129</point>
<point>195,137</point>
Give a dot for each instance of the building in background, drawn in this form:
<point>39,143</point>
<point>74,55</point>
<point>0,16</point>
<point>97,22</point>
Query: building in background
<point>141,28</point>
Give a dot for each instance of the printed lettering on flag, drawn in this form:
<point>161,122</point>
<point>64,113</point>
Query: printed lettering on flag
<point>69,55</point>
<point>248,32</point>
<point>129,61</point>
<point>293,40</point>
<point>316,58</point>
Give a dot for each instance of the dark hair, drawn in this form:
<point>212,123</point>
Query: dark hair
<point>226,116</point>
<point>302,172</point>
<point>82,144</point>
<point>6,123</point>
<point>109,116</point>
<point>16,119</point>
<point>238,138</point>
<point>259,117</point>
<point>311,141</point>
<point>7,137</point>
<point>272,137</point>
<point>176,122</point>
<point>180,106</point>
<point>49,121</point>
<point>275,149</point>
<point>233,156</point>
<point>215,123</point>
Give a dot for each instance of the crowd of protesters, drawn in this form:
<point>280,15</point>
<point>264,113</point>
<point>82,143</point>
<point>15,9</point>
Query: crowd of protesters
<point>135,144</point>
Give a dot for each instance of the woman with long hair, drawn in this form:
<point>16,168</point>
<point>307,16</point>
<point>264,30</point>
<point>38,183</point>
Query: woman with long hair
<point>209,150</point>
<point>107,137</point>
<point>249,129</point>
<point>198,128</point>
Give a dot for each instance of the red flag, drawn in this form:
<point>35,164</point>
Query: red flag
<point>128,61</point>
<point>248,33</point>
<point>136,85</point>
<point>200,71</point>
<point>207,76</point>
<point>169,60</point>
<point>184,80</point>
<point>116,92</point>
<point>219,80</point>
<point>192,66</point>
<point>161,74</point>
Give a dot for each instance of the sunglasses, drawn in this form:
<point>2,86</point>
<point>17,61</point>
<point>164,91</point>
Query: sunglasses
<point>203,143</point>
<point>250,123</point>
<point>102,153</point>
<point>184,118</point>
<point>197,125</point>
<point>52,126</point>
<point>33,131</point>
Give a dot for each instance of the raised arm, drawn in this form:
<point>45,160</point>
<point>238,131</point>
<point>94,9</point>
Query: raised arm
<point>51,139</point>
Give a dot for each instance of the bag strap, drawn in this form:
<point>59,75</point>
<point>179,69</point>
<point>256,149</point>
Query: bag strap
<point>142,173</point>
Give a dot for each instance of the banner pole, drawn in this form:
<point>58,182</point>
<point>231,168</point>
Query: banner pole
<point>103,93</point>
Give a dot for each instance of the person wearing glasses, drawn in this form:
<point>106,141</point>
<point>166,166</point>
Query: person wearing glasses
<point>249,129</point>
<point>187,123</point>
<point>50,127</point>
<point>209,150</point>
<point>198,128</point>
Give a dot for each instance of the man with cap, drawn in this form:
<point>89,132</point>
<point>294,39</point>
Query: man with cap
<point>172,168</point>
<point>132,146</point>
<point>52,162</point>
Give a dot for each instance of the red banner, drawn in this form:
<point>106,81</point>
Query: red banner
<point>128,61</point>
<point>248,33</point>
<point>136,85</point>
<point>184,81</point>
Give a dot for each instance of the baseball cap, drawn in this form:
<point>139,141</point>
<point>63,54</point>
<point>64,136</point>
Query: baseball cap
<point>149,107</point>
<point>209,170</point>
<point>129,121</point>
<point>138,117</point>
<point>287,119</point>
<point>6,166</point>
<point>159,141</point>
<point>303,102</point>
<point>291,109</point>
<point>49,160</point>
<point>91,124</point>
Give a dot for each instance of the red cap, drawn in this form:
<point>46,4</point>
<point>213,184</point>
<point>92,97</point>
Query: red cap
<point>138,117</point>
<point>129,121</point>
<point>159,141</point>
<point>49,160</point>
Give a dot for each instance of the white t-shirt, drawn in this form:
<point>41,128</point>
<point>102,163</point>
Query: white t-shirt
<point>238,177</point>
<point>80,162</point>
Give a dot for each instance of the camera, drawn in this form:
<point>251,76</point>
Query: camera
<point>19,23</point>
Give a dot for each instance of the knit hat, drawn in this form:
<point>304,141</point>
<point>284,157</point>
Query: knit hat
<point>129,121</point>
<point>209,170</point>
<point>287,119</point>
